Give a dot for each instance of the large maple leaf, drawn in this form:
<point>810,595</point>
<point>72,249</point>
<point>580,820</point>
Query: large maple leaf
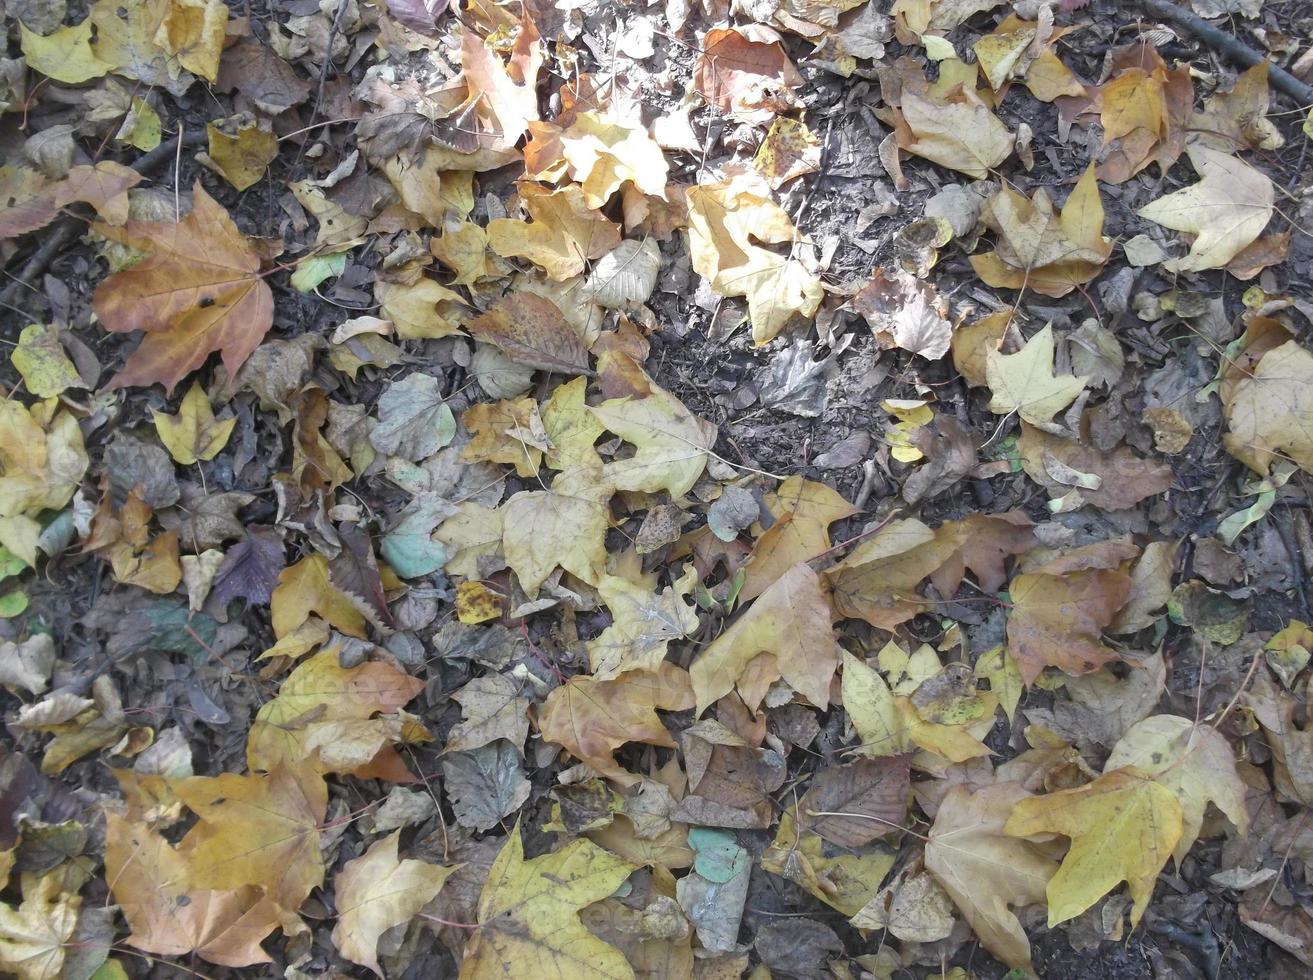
<point>198,291</point>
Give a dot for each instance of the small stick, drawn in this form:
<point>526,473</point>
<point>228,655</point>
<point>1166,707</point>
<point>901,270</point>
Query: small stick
<point>1228,45</point>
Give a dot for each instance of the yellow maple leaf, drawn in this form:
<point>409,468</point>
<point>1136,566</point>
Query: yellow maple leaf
<point>603,154</point>
<point>64,55</point>
<point>727,220</point>
<point>1024,382</point>
<point>803,512</point>
<point>148,878</point>
<point>983,870</point>
<point>1194,761</point>
<point>194,433</point>
<point>322,705</point>
<point>1226,211</point>
<point>193,31</point>
<point>592,718</point>
<point>564,233</point>
<point>528,915</point>
<point>563,526</point>
<point>35,935</point>
<point>672,445</point>
<point>1123,827</point>
<point>1269,411</point>
<point>961,134</point>
<point>304,588</point>
<point>42,461</point>
<point>786,632</point>
<point>1040,249</point>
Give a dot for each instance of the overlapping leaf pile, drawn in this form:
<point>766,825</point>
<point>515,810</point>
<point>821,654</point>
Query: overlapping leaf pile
<point>491,645</point>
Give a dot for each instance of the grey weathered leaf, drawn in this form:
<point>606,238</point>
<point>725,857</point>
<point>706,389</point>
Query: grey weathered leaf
<point>413,420</point>
<point>485,784</point>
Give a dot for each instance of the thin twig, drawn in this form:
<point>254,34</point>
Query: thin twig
<point>1231,47</point>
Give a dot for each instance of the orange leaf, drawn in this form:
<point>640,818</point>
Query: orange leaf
<point>199,291</point>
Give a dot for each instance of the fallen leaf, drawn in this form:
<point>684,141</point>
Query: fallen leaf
<point>1056,620</point>
<point>563,235</point>
<point>1041,249</point>
<point>672,445</point>
<point>1268,410</point>
<point>986,872</point>
<point>199,291</point>
<point>375,892</point>
<point>564,526</point>
<point>803,511</point>
<point>528,914</point>
<point>259,830</point>
<point>148,878</point>
<point>643,624</point>
<point>744,73</point>
<point>304,588</point>
<point>414,421</point>
<point>40,359</point>
<point>64,55</point>
<point>1194,762</point>
<point>853,804</point>
<point>1123,827</point>
<point>1121,478</point>
<point>325,707</point>
<point>592,718</point>
<point>531,330</point>
<point>1024,382</point>
<point>194,433</point>
<point>786,633</point>
<point>878,580</point>
<point>1226,211</point>
<point>902,311</point>
<point>193,31</point>
<point>43,460</point>
<point>603,154</point>
<point>728,221</point>
<point>961,135</point>
<point>502,96</point>
<point>789,150</point>
<point>35,935</point>
<point>492,707</point>
<point>485,785</point>
<point>241,149</point>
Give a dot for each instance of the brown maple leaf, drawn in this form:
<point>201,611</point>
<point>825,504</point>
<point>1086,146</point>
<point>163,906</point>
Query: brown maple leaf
<point>197,292</point>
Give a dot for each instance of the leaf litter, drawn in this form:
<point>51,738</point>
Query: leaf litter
<point>702,490</point>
